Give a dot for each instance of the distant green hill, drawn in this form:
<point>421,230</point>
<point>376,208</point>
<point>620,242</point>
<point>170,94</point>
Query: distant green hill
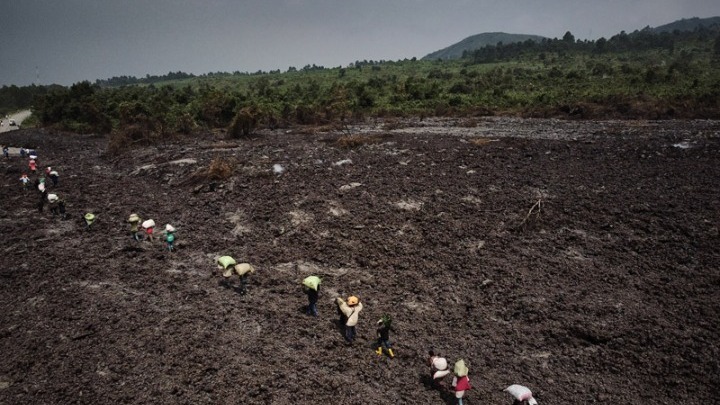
<point>689,24</point>
<point>478,41</point>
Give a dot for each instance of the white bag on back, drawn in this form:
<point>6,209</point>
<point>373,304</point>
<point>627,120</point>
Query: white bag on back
<point>521,393</point>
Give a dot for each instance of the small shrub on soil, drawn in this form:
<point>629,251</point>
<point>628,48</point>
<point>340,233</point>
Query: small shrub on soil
<point>244,123</point>
<point>121,140</point>
<point>353,141</point>
<point>220,169</point>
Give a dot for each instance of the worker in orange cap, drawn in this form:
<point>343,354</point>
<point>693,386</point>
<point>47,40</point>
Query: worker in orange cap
<point>350,311</point>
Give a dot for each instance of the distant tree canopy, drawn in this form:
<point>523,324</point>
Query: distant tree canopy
<point>148,79</point>
<point>641,74</point>
<point>643,40</point>
<point>14,98</point>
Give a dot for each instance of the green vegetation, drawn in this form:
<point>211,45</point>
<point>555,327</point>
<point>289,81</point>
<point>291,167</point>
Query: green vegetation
<point>638,75</point>
<point>14,98</point>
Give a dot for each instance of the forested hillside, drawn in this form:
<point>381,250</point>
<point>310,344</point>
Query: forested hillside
<point>638,75</point>
<point>478,41</point>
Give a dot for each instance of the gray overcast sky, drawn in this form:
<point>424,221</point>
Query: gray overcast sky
<point>67,41</point>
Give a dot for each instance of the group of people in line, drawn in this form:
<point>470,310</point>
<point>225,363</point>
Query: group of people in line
<point>53,200</point>
<point>57,205</point>
<point>349,309</point>
<point>148,229</point>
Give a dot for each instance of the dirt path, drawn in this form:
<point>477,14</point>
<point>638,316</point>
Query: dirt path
<point>19,117</point>
<point>580,261</point>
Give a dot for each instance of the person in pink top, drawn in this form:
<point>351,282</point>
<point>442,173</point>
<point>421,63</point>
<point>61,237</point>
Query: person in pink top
<point>461,382</point>
<point>33,166</point>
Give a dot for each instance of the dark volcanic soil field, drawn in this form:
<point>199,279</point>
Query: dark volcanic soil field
<point>577,258</point>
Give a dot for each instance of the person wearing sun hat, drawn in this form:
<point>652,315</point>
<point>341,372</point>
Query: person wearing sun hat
<point>350,311</point>
<point>460,382</point>
<point>134,221</point>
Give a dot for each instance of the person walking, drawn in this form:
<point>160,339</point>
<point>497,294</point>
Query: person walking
<point>350,311</point>
<point>89,219</point>
<point>229,265</point>
<point>149,227</point>
<point>134,221</point>
<point>61,209</point>
<point>461,382</point>
<point>53,204</point>
<point>6,152</point>
<point>33,166</point>
<point>170,237</point>
<point>43,198</point>
<point>438,369</point>
<point>383,335</point>
<point>311,286</point>
<point>54,176</point>
<point>25,180</point>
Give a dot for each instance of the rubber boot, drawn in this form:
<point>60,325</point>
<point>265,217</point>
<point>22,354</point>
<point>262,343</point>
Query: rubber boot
<point>390,352</point>
<point>379,351</point>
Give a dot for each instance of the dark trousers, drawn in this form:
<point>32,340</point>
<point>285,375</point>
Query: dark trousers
<point>349,333</point>
<point>312,308</point>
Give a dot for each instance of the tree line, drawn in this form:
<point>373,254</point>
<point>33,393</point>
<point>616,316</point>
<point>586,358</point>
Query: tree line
<point>637,75</point>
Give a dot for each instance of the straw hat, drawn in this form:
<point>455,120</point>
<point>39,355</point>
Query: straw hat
<point>52,197</point>
<point>134,218</point>
<point>169,228</point>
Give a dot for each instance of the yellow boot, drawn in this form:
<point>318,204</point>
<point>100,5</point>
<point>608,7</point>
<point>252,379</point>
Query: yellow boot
<point>390,352</point>
<point>379,351</point>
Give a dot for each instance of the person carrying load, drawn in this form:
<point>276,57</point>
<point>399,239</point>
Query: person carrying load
<point>229,265</point>
<point>170,237</point>
<point>149,227</point>
<point>350,311</point>
<point>383,335</point>
<point>311,286</point>
<point>134,221</point>
<point>461,382</point>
